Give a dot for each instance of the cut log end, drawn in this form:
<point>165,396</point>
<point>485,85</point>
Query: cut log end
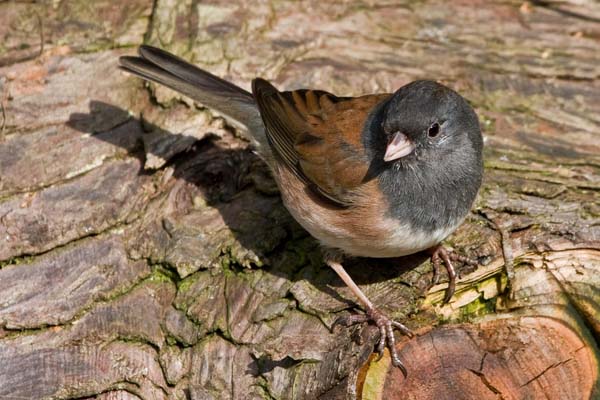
<point>512,358</point>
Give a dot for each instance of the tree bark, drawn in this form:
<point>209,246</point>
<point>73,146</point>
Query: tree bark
<point>145,253</point>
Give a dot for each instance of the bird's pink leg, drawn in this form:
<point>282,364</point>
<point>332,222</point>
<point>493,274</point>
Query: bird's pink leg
<point>438,254</point>
<point>384,323</point>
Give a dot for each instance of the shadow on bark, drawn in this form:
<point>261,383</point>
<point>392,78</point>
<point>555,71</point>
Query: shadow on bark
<point>223,176</point>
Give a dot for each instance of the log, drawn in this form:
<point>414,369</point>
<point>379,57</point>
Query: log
<point>145,252</point>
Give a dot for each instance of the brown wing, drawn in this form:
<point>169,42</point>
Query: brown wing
<point>318,136</point>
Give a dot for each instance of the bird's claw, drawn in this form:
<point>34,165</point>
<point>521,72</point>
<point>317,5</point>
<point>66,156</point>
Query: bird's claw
<point>386,330</point>
<point>350,320</point>
<point>439,254</point>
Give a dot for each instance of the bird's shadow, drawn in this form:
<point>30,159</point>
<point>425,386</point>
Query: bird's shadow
<point>238,184</point>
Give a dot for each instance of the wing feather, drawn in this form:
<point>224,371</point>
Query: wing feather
<point>318,136</point>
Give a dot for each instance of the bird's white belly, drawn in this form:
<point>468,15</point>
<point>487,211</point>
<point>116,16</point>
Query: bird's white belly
<point>399,240</point>
<point>393,239</point>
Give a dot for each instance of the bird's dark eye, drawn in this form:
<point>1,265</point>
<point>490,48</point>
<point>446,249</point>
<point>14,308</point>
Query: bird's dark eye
<point>434,130</point>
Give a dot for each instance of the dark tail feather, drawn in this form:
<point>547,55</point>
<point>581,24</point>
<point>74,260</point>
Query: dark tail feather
<point>159,66</point>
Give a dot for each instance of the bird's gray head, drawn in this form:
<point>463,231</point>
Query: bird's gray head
<point>427,119</point>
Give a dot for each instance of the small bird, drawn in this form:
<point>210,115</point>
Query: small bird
<point>380,175</point>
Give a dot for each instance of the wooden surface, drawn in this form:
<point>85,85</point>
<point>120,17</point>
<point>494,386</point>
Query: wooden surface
<point>145,253</point>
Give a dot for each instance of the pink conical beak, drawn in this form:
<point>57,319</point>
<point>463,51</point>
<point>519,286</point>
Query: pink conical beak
<point>399,146</point>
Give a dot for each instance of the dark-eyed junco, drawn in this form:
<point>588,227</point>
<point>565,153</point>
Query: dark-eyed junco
<point>381,175</point>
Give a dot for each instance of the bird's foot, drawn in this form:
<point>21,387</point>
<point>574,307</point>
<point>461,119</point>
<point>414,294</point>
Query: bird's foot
<point>386,330</point>
<point>440,253</point>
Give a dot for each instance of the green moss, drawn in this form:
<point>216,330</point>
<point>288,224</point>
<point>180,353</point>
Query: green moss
<point>263,385</point>
<point>24,259</point>
<point>162,274</point>
<point>185,284</point>
<point>233,261</point>
<point>482,306</point>
<point>478,308</point>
